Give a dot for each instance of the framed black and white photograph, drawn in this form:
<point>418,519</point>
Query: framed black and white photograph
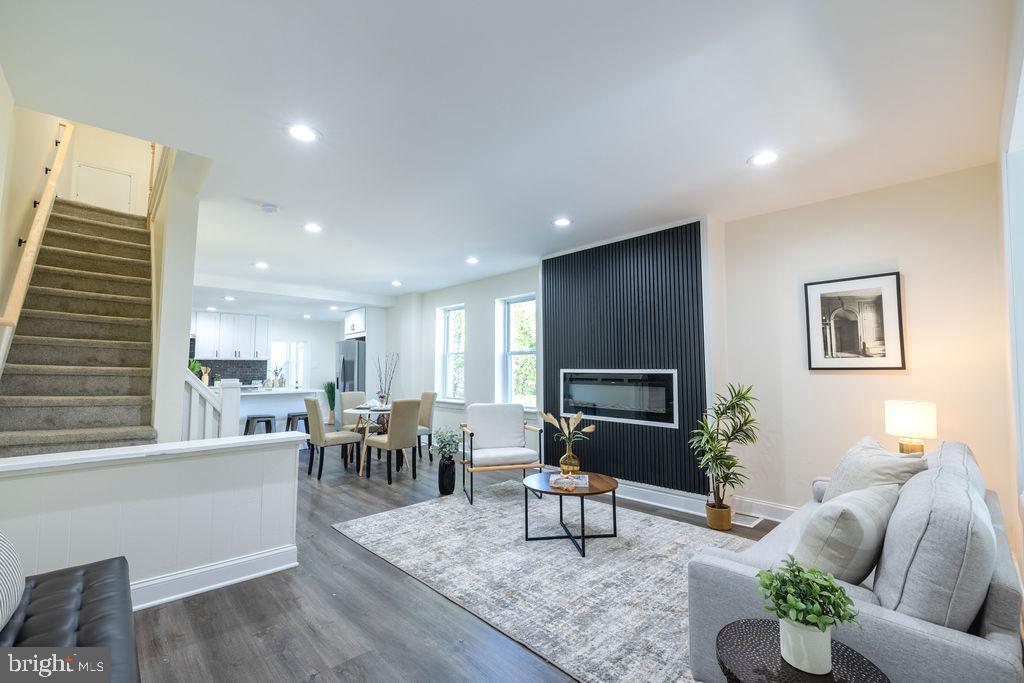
<point>855,323</point>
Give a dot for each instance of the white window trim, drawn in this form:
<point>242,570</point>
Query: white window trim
<point>506,354</point>
<point>443,355</point>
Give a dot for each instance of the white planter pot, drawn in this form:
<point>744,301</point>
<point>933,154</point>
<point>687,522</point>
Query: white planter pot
<point>806,647</point>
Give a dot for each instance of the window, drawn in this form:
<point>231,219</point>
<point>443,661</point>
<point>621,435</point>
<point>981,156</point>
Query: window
<point>453,347</point>
<point>519,378</point>
<point>289,357</point>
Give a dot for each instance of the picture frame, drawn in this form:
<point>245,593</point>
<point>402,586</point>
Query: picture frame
<point>855,323</point>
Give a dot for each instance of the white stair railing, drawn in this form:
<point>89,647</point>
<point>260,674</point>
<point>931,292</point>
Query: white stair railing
<point>210,412</point>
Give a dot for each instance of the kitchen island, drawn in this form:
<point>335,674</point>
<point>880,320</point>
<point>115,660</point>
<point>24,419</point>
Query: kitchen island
<point>277,402</point>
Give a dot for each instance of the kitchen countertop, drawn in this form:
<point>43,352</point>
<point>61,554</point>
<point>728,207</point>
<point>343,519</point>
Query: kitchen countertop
<point>247,391</point>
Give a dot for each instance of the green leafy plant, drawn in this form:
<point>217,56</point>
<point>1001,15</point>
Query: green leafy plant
<point>195,367</point>
<point>329,390</point>
<point>805,596</point>
<point>730,421</point>
<point>446,442</point>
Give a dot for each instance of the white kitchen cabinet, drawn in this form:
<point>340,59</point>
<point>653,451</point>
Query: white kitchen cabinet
<point>207,335</point>
<point>244,330</point>
<point>261,338</point>
<point>226,336</point>
<point>355,322</point>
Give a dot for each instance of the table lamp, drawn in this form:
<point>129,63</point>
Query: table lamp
<point>912,422</point>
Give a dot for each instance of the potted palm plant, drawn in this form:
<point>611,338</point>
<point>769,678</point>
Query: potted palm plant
<point>329,392</point>
<point>728,422</point>
<point>808,604</point>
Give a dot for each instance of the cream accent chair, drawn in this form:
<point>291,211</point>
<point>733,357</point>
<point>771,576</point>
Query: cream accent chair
<point>497,441</point>
<point>401,434</point>
<point>319,438</point>
<point>352,399</point>
<point>426,424</point>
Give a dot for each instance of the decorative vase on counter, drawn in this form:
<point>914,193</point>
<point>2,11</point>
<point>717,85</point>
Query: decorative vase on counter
<point>569,463</point>
<point>206,376</point>
<point>807,648</point>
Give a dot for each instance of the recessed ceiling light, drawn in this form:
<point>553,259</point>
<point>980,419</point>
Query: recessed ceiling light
<point>396,283</point>
<point>262,265</point>
<point>307,316</point>
<point>763,158</point>
<point>313,227</point>
<point>303,133</point>
<point>333,308</point>
<point>267,207</point>
<point>562,222</point>
<point>211,309</point>
<point>229,298</point>
<point>472,260</point>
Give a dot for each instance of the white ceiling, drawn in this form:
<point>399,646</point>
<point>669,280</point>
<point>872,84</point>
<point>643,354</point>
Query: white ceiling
<point>272,305</point>
<point>461,127</point>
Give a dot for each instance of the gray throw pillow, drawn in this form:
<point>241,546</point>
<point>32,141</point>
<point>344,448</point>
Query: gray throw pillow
<point>868,464</point>
<point>12,580</point>
<point>844,536</point>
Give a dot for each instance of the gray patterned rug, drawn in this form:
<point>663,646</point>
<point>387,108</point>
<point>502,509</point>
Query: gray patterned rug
<point>618,614</point>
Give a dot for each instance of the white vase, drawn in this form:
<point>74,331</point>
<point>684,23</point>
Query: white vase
<point>806,647</point>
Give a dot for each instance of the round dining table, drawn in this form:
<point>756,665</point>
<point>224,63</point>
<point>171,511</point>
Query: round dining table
<point>366,418</point>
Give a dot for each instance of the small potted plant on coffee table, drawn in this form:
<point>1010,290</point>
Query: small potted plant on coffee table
<point>730,421</point>
<point>808,604</point>
<point>446,445</point>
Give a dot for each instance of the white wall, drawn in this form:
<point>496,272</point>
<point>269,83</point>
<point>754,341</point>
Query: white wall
<point>108,150</point>
<point>7,250</point>
<point>945,236</point>
<point>414,318</point>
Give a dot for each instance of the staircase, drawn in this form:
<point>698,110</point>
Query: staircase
<point>77,375</point>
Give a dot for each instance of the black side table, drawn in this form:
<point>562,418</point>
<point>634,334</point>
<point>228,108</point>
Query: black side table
<point>748,652</point>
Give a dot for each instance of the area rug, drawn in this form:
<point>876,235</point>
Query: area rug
<point>620,613</point>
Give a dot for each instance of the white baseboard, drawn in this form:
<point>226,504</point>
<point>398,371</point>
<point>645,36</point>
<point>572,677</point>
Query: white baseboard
<point>761,508</point>
<point>177,585</point>
<point>671,499</point>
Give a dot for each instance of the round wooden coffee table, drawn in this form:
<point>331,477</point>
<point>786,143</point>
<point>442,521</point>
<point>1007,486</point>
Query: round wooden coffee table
<point>540,484</point>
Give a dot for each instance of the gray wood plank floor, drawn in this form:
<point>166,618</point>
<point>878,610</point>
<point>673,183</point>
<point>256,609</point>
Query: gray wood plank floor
<point>343,614</point>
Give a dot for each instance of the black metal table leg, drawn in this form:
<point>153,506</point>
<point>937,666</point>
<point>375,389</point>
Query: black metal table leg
<point>583,529</point>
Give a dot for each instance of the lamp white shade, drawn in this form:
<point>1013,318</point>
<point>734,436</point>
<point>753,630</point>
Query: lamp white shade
<point>910,419</point>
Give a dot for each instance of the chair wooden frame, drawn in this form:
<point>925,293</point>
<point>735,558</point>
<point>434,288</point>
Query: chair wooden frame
<point>468,466</point>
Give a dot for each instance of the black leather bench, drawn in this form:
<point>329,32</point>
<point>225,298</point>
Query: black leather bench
<point>86,606</point>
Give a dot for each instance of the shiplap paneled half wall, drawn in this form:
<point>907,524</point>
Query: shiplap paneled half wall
<point>632,304</point>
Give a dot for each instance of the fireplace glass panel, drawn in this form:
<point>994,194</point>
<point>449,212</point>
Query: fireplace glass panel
<point>641,396</point>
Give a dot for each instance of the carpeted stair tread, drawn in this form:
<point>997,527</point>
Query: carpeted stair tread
<point>71,436</point>
<point>137,235</point>
<point>75,294</point>
<point>29,369</point>
<point>84,317</point>
<point>72,272</point>
<point>69,207</point>
<point>73,401</point>
<point>77,253</point>
<point>96,244</point>
<point>71,341</point>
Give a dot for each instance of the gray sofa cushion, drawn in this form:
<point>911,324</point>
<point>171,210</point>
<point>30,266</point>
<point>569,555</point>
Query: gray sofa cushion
<point>868,464</point>
<point>12,580</point>
<point>844,536</point>
<point>939,552</point>
<point>957,457</point>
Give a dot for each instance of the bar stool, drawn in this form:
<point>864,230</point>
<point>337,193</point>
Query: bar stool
<point>252,421</point>
<point>293,422</point>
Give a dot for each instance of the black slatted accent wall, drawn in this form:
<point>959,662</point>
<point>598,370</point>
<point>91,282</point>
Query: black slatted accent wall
<point>634,304</point>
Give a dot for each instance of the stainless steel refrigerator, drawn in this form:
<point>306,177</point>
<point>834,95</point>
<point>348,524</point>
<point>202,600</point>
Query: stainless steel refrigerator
<point>350,366</point>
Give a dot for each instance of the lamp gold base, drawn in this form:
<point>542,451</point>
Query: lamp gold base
<point>911,446</point>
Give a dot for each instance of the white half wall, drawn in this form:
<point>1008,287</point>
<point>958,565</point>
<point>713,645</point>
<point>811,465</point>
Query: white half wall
<point>189,516</point>
<point>945,236</point>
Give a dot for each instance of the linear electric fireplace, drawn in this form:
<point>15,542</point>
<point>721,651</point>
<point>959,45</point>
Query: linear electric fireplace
<point>646,397</point>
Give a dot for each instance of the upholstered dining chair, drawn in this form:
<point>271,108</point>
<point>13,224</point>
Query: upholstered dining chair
<point>401,434</point>
<point>497,441</point>
<point>320,438</point>
<point>426,424</point>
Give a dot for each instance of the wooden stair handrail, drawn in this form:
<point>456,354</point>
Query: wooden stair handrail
<point>22,276</point>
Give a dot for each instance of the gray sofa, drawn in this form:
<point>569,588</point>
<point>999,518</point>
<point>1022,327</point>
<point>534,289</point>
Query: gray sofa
<point>933,628</point>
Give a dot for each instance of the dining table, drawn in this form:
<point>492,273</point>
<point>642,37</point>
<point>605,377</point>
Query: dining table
<point>368,417</point>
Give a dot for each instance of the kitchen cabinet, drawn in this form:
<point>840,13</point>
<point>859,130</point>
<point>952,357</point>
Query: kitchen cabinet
<point>261,338</point>
<point>207,335</point>
<point>232,336</point>
<point>355,322</point>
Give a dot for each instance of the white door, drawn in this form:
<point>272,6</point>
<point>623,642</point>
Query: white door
<point>227,348</point>
<point>243,336</point>
<point>261,339</point>
<point>105,187</point>
<point>207,335</point>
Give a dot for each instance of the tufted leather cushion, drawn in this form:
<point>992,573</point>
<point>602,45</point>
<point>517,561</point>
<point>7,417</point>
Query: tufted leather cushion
<point>85,606</point>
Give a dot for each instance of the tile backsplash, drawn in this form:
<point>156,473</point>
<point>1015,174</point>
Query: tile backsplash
<point>248,371</point>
